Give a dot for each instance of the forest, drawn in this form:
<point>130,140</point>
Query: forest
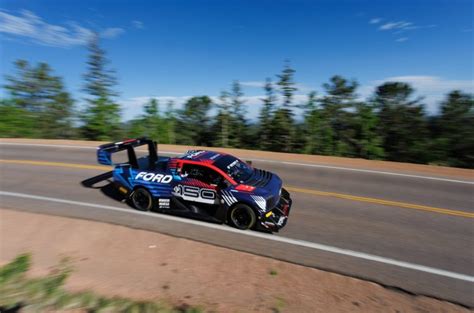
<point>391,124</point>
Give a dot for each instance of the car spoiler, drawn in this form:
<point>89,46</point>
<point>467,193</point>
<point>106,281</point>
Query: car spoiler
<point>105,151</point>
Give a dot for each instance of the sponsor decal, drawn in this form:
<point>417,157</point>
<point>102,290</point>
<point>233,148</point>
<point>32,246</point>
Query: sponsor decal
<point>215,156</point>
<point>232,164</point>
<point>154,177</point>
<point>164,203</point>
<point>193,153</point>
<point>196,194</point>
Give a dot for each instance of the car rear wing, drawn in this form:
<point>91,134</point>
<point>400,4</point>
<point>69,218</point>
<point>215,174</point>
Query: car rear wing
<point>105,151</point>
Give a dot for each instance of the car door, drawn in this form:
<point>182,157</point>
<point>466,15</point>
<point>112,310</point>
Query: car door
<point>197,192</point>
<point>199,184</point>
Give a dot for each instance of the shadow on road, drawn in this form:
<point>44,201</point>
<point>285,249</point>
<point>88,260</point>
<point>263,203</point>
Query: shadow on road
<point>104,183</point>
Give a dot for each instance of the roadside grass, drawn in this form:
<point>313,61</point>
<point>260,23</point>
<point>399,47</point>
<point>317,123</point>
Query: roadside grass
<point>273,272</point>
<point>280,304</point>
<point>46,294</point>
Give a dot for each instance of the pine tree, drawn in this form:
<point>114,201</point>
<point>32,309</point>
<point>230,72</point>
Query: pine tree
<point>102,115</point>
<point>223,118</point>
<point>170,117</point>
<point>135,128</point>
<point>287,85</point>
<point>454,144</point>
<point>365,139</point>
<point>37,91</point>
<point>237,115</point>
<point>340,97</point>
<point>283,125</point>
<point>403,125</point>
<point>193,122</point>
<point>312,121</point>
<point>24,87</point>
<point>152,120</point>
<point>266,116</point>
<point>16,121</point>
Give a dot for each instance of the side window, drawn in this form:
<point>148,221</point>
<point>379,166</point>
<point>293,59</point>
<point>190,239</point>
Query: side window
<point>202,173</point>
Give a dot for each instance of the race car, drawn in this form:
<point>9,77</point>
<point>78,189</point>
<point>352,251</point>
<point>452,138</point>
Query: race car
<point>206,185</point>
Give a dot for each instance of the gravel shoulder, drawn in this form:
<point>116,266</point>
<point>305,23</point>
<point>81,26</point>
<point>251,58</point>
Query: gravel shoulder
<point>116,260</point>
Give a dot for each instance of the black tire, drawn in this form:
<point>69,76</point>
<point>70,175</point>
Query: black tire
<point>242,216</point>
<point>142,199</point>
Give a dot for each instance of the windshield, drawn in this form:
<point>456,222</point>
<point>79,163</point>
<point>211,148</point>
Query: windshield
<point>236,169</point>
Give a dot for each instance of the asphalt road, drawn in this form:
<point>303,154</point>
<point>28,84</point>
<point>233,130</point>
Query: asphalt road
<point>426,223</point>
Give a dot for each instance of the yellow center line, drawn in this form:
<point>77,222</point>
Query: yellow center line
<point>57,164</point>
<point>293,189</point>
<point>382,202</point>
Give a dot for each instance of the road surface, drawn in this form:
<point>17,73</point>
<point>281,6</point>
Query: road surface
<point>405,231</point>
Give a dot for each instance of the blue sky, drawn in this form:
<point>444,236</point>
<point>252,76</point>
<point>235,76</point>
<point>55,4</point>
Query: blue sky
<point>177,49</point>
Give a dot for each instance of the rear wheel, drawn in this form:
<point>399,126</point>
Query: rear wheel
<point>142,199</point>
<point>242,217</point>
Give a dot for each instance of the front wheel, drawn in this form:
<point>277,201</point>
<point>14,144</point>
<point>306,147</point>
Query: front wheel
<point>242,217</point>
<point>142,199</point>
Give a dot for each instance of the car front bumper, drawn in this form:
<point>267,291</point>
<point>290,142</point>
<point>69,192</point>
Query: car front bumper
<point>276,218</point>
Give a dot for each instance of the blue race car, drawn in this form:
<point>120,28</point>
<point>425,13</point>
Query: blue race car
<point>200,184</point>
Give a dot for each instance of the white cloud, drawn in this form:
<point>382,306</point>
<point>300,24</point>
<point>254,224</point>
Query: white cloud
<point>432,88</point>
<point>253,84</point>
<point>396,25</point>
<point>375,20</point>
<point>32,27</point>
<point>111,32</point>
<point>138,24</point>
<point>11,24</point>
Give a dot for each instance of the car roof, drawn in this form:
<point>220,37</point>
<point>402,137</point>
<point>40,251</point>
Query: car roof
<point>204,156</point>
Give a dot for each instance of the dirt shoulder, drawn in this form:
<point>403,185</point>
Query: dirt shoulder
<point>116,260</point>
<point>292,157</point>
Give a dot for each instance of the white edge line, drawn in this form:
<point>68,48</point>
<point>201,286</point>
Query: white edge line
<point>296,242</point>
<point>272,161</point>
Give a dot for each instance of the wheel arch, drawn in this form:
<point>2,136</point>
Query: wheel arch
<point>135,187</point>
<point>247,203</point>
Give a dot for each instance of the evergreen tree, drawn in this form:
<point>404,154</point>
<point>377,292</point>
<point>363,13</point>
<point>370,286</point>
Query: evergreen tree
<point>193,123</point>
<point>340,96</point>
<point>16,121</point>
<point>237,115</point>
<point>312,121</point>
<point>283,126</point>
<point>102,115</point>
<point>223,119</point>
<point>37,91</point>
<point>365,139</point>
<point>266,140</point>
<point>170,117</point>
<point>24,87</point>
<point>455,128</point>
<point>152,121</point>
<point>135,128</point>
<point>403,125</point>
<point>287,84</point>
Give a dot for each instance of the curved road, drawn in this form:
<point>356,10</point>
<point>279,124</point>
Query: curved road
<point>407,232</point>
